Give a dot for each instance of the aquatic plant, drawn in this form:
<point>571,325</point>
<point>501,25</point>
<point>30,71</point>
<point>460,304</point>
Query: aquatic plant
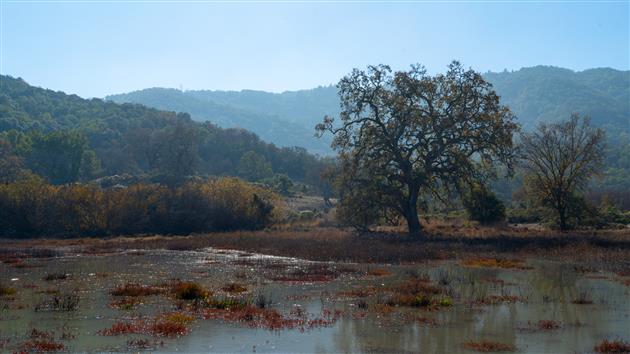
<point>128,303</point>
<point>40,342</point>
<point>584,298</point>
<point>6,290</point>
<point>119,328</point>
<point>63,302</point>
<point>55,276</point>
<point>139,344</point>
<point>548,324</point>
<point>262,301</point>
<point>189,291</point>
<point>234,288</point>
<point>612,346</point>
<point>378,272</point>
<point>226,303</point>
<point>135,289</point>
<point>165,328</point>
<point>489,347</point>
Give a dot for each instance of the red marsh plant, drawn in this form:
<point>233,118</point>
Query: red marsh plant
<point>166,325</point>
<point>41,341</point>
<point>272,319</point>
<point>613,346</point>
<point>378,272</point>
<point>489,346</point>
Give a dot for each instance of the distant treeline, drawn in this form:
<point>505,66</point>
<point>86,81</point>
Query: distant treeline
<point>32,208</point>
<point>65,138</point>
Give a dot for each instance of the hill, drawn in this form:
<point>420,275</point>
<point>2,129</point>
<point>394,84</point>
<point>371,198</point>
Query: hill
<point>286,122</point>
<point>535,94</point>
<point>133,139</point>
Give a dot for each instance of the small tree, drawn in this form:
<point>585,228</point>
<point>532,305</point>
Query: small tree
<point>482,205</point>
<point>561,158</point>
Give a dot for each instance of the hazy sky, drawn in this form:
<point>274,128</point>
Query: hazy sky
<point>99,48</point>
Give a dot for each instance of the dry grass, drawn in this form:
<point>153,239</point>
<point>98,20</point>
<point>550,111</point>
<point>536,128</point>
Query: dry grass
<point>610,247</point>
<point>496,263</point>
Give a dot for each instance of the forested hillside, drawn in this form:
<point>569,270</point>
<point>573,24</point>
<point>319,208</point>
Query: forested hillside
<point>546,93</point>
<point>541,93</point>
<point>536,94</point>
<point>66,138</point>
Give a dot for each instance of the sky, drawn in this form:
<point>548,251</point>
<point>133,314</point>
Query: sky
<point>98,48</point>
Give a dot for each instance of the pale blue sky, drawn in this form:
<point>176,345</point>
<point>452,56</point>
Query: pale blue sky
<point>95,49</point>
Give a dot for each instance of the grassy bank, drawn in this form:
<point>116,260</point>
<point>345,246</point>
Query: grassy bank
<point>608,249</point>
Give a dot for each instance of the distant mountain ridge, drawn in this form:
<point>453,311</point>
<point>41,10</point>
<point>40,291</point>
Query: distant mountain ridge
<point>535,94</point>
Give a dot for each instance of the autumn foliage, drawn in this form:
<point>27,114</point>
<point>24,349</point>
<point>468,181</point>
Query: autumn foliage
<point>33,208</point>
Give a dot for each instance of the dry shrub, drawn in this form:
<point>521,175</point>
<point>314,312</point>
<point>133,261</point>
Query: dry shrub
<point>189,291</point>
<point>33,208</point>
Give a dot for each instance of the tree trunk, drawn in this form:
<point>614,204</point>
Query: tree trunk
<point>413,223</point>
<point>563,220</point>
<point>411,213</point>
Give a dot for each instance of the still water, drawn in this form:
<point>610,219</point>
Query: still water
<point>544,291</point>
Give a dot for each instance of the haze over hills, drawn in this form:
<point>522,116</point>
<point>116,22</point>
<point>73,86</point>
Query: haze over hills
<point>540,93</point>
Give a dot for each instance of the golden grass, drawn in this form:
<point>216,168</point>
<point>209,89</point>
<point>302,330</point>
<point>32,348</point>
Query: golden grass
<point>496,263</point>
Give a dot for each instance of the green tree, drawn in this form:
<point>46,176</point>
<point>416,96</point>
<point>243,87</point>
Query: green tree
<point>409,134</point>
<point>561,158</point>
<point>482,205</point>
<point>57,156</point>
<point>254,167</point>
<point>11,165</point>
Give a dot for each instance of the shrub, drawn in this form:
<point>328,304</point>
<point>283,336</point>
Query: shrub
<point>189,291</point>
<point>32,208</point>
<point>482,205</point>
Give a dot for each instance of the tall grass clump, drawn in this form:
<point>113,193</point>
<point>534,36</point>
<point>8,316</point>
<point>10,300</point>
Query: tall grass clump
<point>33,208</point>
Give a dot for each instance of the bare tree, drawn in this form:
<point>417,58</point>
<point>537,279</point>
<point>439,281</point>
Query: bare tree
<point>561,158</point>
<point>409,134</point>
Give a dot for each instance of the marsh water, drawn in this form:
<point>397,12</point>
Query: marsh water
<point>586,307</point>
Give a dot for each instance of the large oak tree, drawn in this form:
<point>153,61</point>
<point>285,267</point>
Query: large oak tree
<point>405,135</point>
